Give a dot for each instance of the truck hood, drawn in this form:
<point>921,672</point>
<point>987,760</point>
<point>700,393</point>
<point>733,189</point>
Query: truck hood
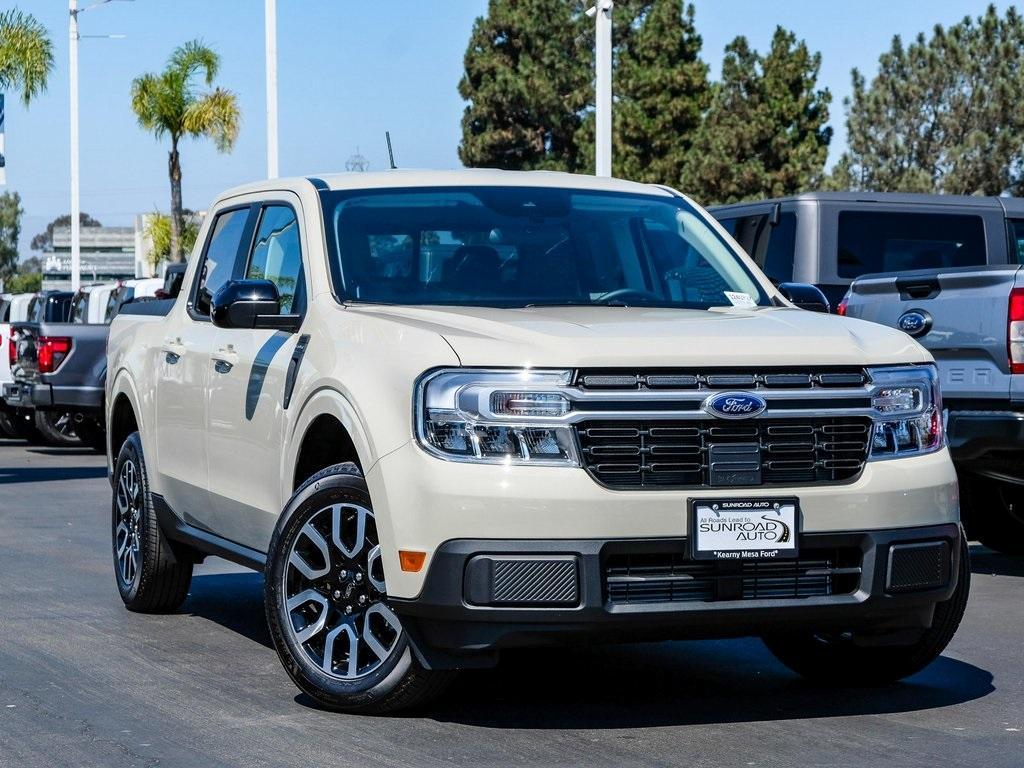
<point>637,336</point>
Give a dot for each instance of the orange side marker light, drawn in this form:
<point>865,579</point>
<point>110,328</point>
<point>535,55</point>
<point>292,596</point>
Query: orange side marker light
<point>411,561</point>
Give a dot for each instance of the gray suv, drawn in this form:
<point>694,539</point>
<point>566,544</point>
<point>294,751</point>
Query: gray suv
<point>829,239</point>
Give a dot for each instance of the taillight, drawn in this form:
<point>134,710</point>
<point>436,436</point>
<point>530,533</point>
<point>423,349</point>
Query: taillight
<point>51,351</point>
<point>12,350</point>
<point>1015,331</point>
<point>841,306</point>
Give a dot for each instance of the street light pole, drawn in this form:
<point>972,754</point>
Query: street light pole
<point>602,13</point>
<point>76,254</point>
<point>271,55</point>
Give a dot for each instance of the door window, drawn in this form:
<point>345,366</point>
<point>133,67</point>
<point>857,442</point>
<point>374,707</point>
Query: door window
<point>220,256</point>
<point>1016,229</point>
<point>277,257</point>
<point>779,250</point>
<point>896,242</point>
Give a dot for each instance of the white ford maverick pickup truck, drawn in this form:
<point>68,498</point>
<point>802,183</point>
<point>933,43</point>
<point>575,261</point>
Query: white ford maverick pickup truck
<point>448,413</point>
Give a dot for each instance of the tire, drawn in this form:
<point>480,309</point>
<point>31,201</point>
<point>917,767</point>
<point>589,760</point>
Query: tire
<point>330,511</point>
<point>151,577</point>
<point>995,511</point>
<point>56,428</point>
<point>839,660</point>
<point>92,434</point>
<point>8,429</point>
<point>22,425</point>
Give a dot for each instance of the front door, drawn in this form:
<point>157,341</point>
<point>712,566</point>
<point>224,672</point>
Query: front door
<point>184,370</point>
<point>246,415</point>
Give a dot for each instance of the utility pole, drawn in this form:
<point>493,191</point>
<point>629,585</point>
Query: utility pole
<point>76,228</point>
<point>271,55</point>
<point>602,13</point>
<point>76,245</point>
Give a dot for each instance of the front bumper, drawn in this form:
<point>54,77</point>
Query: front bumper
<point>421,502</point>
<point>450,629</point>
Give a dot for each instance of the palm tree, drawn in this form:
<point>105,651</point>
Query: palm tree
<point>26,54</point>
<point>169,103</point>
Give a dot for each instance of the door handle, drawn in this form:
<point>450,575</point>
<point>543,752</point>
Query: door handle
<point>172,349</point>
<point>171,357</point>
<point>222,366</point>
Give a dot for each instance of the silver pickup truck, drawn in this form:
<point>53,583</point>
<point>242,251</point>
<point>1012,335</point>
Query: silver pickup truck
<point>972,320</point>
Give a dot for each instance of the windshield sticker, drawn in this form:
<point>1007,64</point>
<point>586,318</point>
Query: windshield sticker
<point>741,300</point>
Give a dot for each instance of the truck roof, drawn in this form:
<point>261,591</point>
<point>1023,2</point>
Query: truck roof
<point>468,177</point>
<point>1010,204</point>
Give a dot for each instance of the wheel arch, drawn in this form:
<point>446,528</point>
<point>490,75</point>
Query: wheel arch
<point>327,431</point>
<point>124,415</point>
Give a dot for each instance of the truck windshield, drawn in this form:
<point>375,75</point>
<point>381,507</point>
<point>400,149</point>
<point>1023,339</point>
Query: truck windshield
<point>521,246</point>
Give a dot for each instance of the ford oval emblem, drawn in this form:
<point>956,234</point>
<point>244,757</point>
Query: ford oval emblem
<point>915,322</point>
<point>734,405</point>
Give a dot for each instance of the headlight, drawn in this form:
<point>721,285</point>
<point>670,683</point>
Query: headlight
<point>909,411</point>
<point>495,417</point>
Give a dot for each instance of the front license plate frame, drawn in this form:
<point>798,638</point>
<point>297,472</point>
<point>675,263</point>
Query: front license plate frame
<point>749,539</point>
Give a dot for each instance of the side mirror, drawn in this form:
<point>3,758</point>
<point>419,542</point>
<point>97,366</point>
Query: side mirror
<point>805,296</point>
<point>250,304</point>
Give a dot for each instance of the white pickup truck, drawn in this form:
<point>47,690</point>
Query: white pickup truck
<point>448,413</point>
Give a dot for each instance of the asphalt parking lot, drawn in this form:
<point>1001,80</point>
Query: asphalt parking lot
<point>83,682</point>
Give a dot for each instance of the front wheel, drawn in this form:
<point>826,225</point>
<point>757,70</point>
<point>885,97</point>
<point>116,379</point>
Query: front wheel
<point>327,606</point>
<point>845,659</point>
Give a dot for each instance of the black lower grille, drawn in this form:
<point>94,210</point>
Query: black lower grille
<point>675,578</point>
<point>676,454</point>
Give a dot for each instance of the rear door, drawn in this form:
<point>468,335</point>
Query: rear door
<point>184,371</point>
<point>246,421</point>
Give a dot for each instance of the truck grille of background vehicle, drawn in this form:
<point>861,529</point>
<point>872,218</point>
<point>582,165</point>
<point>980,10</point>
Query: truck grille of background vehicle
<point>674,578</point>
<point>664,379</point>
<point>677,454</point>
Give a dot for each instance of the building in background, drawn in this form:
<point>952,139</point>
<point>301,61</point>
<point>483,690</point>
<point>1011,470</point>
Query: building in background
<point>107,254</point>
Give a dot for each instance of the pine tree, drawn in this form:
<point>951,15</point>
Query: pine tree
<point>660,88</point>
<point>944,114</point>
<point>526,82</point>
<point>765,133</point>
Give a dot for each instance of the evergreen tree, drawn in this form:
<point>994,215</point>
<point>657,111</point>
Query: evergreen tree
<point>765,134</point>
<point>944,114</point>
<point>660,88</point>
<point>526,81</point>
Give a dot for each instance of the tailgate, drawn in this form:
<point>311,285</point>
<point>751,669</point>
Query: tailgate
<point>964,314</point>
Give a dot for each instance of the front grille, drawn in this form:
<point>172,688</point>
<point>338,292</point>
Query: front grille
<point>675,454</point>
<point>670,378</point>
<point>675,578</point>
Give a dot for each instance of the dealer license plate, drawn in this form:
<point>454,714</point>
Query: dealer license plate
<point>744,529</point>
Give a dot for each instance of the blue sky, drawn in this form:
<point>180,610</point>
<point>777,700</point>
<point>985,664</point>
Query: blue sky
<point>348,70</point>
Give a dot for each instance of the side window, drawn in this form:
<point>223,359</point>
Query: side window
<point>277,256</point>
<point>871,241</point>
<point>1016,230</point>
<point>779,250</point>
<point>219,260</point>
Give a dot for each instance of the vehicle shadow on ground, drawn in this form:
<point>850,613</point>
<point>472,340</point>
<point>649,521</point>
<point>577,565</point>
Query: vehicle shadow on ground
<point>70,451</point>
<point>680,683</point>
<point>9,475</point>
<point>625,686</point>
<point>233,600</point>
<point>988,562</point>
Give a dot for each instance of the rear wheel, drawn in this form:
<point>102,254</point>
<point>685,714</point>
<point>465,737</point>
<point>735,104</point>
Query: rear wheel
<point>151,577</point>
<point>846,659</point>
<point>7,425</point>
<point>56,428</point>
<point>327,602</point>
<point>995,512</point>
